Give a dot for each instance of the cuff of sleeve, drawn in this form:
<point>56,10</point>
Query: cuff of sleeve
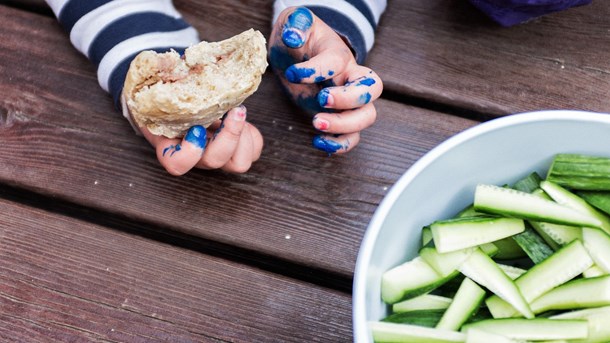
<point>513,12</point>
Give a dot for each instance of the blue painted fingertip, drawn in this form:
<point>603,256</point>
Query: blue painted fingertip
<point>301,19</point>
<point>326,145</point>
<point>197,135</point>
<point>293,38</point>
<point>296,75</point>
<point>323,97</point>
<point>365,98</point>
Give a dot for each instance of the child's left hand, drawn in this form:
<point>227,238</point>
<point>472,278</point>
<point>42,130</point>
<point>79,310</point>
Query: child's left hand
<point>322,76</point>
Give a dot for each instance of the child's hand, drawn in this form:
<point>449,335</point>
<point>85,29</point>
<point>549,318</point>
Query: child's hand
<point>233,146</point>
<point>322,76</point>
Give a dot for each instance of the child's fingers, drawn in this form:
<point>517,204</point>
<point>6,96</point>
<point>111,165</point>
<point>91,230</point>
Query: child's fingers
<point>226,139</point>
<point>336,144</point>
<point>347,121</point>
<point>241,160</point>
<point>296,27</point>
<point>326,65</point>
<point>361,87</point>
<point>178,157</point>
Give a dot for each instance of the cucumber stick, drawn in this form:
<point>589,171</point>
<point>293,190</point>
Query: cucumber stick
<point>533,245</point>
<point>479,336</point>
<point>422,302</point>
<point>444,263</point>
<point>573,201</point>
<point>597,318</point>
<point>576,294</point>
<point>465,303</point>
<point>577,171</point>
<point>410,279</point>
<point>564,265</point>
<point>597,199</point>
<point>483,270</point>
<point>536,329</point>
<point>556,235</point>
<point>597,243</point>
<point>513,203</point>
<point>427,318</point>
<point>393,332</point>
<point>460,233</point>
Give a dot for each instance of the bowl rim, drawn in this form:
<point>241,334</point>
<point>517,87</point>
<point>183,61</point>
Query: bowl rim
<point>360,330</point>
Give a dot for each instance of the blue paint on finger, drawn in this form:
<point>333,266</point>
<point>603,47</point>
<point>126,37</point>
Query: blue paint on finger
<point>366,82</point>
<point>326,145</point>
<point>294,32</point>
<point>319,79</point>
<point>323,97</point>
<point>173,149</point>
<point>296,75</point>
<point>364,98</point>
<point>280,59</point>
<point>331,72</point>
<point>300,19</point>
<point>197,135</point>
<point>293,38</point>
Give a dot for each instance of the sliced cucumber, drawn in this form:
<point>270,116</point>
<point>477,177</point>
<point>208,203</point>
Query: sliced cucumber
<point>513,203</point>
<point>508,249</point>
<point>594,271</point>
<point>466,302</point>
<point>536,329</point>
<point>597,243</point>
<point>426,236</point>
<point>529,183</point>
<point>455,234</point>
<point>511,271</point>
<point>533,245</point>
<point>599,200</point>
<point>556,235</point>
<point>576,294</point>
<point>444,263</point>
<point>410,279</point>
<point>479,336</point>
<point>392,332</point>
<point>484,271</point>
<point>564,265</point>
<point>573,201</point>
<point>427,318</point>
<point>578,171</point>
<point>422,302</point>
<point>597,318</point>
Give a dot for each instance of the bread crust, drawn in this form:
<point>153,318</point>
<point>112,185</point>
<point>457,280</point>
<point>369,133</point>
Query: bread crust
<point>168,93</point>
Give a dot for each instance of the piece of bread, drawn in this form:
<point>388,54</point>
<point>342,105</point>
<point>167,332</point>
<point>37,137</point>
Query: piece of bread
<point>168,94</point>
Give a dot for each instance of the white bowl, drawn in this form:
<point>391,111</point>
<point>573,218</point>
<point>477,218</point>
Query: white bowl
<point>442,182</point>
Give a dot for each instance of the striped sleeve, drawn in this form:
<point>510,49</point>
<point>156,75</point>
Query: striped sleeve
<point>355,20</point>
<point>112,32</point>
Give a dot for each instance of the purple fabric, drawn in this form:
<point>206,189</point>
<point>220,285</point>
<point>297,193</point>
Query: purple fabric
<point>511,12</point>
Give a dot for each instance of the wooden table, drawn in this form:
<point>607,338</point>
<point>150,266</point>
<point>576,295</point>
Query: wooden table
<point>99,243</point>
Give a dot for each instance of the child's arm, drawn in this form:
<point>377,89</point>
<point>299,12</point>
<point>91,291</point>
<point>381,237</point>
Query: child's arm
<point>317,52</point>
<point>112,33</point>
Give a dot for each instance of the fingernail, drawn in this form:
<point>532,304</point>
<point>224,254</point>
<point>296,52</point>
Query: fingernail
<point>196,135</point>
<point>321,124</point>
<point>239,114</point>
<point>325,99</point>
<point>293,38</point>
<point>296,75</point>
<point>326,145</point>
<point>300,19</point>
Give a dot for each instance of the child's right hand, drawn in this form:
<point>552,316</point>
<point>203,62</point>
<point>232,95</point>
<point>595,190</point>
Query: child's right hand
<point>233,145</point>
<point>320,73</point>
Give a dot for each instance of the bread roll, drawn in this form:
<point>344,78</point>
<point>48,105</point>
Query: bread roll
<point>168,94</point>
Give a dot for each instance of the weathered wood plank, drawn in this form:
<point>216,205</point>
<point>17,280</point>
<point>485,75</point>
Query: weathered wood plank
<point>448,52</point>
<point>64,280</point>
<point>61,137</point>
